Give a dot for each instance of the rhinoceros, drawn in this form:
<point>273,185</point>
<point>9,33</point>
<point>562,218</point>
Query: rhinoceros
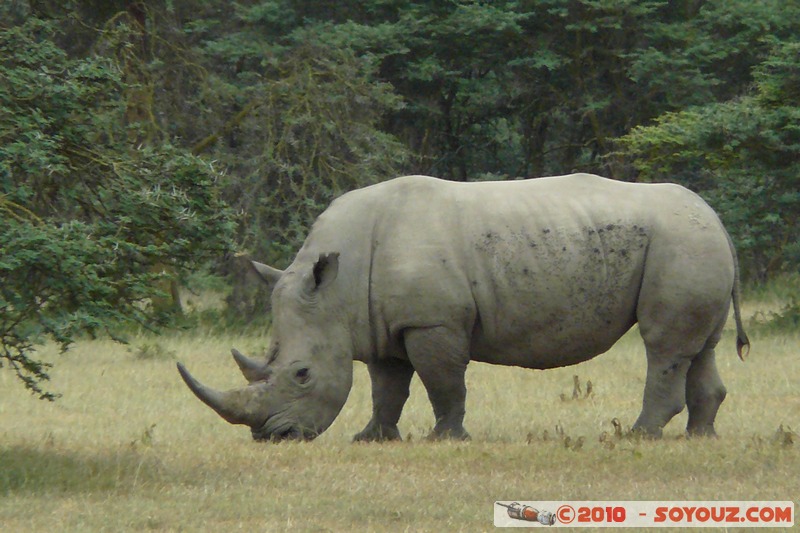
<point>423,275</point>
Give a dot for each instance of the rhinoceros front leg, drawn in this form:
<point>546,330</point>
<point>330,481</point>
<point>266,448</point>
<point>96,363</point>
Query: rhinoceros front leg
<point>390,380</point>
<point>440,356</point>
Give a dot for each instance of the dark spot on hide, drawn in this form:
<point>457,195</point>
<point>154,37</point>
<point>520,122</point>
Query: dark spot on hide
<point>490,238</point>
<point>563,248</point>
<point>526,271</point>
<point>596,250</point>
<point>489,242</point>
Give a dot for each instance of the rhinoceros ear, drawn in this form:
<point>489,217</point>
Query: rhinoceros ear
<point>325,270</point>
<point>267,273</point>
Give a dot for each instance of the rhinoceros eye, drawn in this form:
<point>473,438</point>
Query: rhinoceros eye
<point>302,375</point>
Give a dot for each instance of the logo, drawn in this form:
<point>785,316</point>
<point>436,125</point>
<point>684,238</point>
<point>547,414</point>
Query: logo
<point>639,514</point>
<point>517,511</point>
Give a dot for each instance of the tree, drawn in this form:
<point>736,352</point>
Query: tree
<point>304,127</point>
<point>744,156</point>
<point>89,221</point>
<point>297,102</point>
<point>486,89</point>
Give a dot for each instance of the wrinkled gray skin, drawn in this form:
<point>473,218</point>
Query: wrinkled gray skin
<point>422,275</point>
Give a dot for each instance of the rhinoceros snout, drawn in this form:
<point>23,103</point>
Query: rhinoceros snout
<point>292,433</point>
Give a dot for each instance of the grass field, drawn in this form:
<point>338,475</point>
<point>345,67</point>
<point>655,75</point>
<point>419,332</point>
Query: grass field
<point>128,448</point>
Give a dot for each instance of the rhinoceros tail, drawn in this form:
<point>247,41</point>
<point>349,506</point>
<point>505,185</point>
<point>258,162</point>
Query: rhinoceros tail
<point>742,342</point>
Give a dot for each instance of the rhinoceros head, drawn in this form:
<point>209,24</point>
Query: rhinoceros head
<point>304,382</point>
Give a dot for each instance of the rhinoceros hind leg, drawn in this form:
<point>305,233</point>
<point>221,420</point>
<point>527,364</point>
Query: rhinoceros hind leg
<point>704,394</point>
<point>664,393</point>
<point>440,356</point>
<point>390,380</point>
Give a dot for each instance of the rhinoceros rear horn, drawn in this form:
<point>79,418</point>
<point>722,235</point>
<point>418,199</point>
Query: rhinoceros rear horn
<point>253,370</point>
<point>239,406</point>
<point>268,274</point>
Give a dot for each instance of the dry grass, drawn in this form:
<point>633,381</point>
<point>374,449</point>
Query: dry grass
<point>129,448</point>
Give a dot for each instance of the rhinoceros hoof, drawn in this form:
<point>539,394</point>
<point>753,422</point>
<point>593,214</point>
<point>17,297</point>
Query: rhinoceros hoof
<point>376,433</point>
<point>448,434</point>
<point>701,431</point>
<point>642,432</point>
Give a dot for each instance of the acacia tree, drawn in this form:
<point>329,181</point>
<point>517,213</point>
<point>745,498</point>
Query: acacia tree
<point>89,221</point>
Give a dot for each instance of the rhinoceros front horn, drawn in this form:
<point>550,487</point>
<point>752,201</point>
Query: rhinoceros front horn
<point>246,406</point>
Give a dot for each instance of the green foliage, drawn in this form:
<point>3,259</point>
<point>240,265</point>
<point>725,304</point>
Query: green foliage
<point>309,132</point>
<point>318,129</point>
<point>502,89</point>
<point>706,52</point>
<point>296,102</point>
<point>463,90</point>
<point>449,62</point>
<point>781,296</point>
<point>788,318</point>
<point>90,224</point>
<point>744,156</point>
